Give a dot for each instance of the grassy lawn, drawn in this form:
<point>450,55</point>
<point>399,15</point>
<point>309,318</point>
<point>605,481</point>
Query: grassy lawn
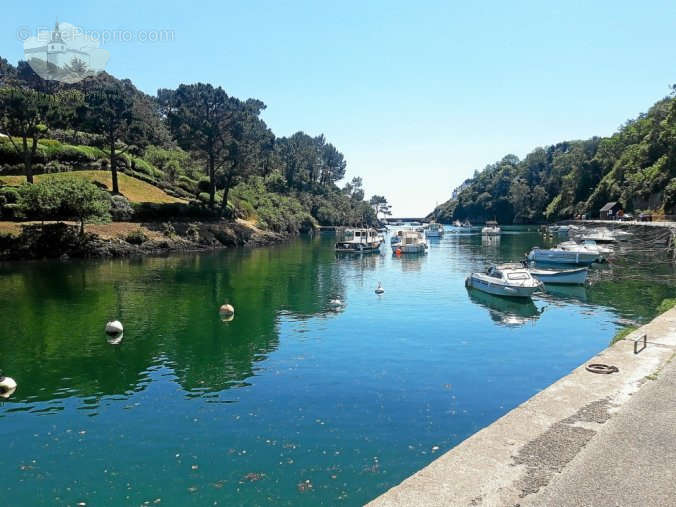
<point>133,189</point>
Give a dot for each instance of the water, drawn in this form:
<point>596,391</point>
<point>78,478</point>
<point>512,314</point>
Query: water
<point>189,410</point>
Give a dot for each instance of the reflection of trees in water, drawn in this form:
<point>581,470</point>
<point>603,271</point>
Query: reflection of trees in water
<point>53,337</point>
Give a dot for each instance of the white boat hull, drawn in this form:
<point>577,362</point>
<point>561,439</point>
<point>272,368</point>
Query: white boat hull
<point>562,256</point>
<point>499,289</point>
<point>566,277</point>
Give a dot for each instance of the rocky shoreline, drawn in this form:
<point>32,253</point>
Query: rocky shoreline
<point>61,240</point>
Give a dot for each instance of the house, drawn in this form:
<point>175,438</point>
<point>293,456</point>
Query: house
<point>609,211</point>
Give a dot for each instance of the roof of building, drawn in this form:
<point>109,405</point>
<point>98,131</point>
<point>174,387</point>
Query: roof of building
<point>609,206</point>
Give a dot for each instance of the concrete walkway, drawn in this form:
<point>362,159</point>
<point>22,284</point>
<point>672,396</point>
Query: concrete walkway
<point>588,439</point>
<point>632,459</point>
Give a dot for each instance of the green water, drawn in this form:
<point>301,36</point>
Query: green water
<point>191,410</point>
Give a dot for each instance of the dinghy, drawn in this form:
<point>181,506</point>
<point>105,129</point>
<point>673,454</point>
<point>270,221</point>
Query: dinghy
<point>575,276</point>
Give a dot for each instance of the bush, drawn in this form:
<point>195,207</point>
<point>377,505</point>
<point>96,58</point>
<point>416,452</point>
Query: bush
<point>12,211</point>
<point>203,197</point>
<point>155,212</point>
<point>136,237</point>
<point>120,209</point>
<point>187,184</point>
<point>11,194</point>
<point>666,305</point>
<point>203,185</point>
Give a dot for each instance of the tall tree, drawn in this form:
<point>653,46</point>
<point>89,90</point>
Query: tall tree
<point>27,114</point>
<point>204,120</point>
<point>109,111</point>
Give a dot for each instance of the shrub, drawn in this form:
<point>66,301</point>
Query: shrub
<point>136,237</point>
<point>65,197</point>
<point>187,184</point>
<point>120,209</point>
<point>203,185</point>
<point>203,197</point>
<point>11,194</point>
<point>666,305</point>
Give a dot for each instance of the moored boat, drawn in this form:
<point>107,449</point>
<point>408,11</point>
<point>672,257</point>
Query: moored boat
<point>511,281</point>
<point>408,242</point>
<point>563,256</point>
<point>357,240</point>
<point>491,228</point>
<point>434,230</point>
<point>576,276</point>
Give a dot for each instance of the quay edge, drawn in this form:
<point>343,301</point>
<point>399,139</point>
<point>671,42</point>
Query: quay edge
<point>517,455</point>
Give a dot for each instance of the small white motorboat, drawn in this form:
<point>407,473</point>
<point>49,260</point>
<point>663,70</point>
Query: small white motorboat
<point>491,229</point>
<point>409,242</point>
<point>563,256</point>
<point>457,223</point>
<point>434,230</point>
<point>512,281</point>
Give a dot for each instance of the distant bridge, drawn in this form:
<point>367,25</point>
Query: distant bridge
<point>390,220</point>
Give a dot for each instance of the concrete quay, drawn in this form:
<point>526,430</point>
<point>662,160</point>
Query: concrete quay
<point>588,439</point>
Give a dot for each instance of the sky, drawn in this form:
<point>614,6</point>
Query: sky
<point>416,95</point>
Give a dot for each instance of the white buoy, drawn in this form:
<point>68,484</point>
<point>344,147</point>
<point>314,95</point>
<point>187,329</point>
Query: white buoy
<point>227,310</point>
<point>7,386</point>
<point>379,289</point>
<point>114,327</point>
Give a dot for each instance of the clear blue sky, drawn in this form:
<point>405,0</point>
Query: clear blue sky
<point>415,94</point>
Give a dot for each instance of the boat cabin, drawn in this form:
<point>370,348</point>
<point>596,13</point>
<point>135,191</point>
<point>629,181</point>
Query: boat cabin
<point>357,239</point>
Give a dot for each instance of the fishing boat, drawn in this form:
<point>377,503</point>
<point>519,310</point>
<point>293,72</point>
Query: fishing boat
<point>409,242</point>
<point>357,240</point>
<point>434,230</point>
<point>563,256</point>
<point>491,228</point>
<point>513,281</point>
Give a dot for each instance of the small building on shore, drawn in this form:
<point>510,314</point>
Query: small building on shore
<point>609,211</point>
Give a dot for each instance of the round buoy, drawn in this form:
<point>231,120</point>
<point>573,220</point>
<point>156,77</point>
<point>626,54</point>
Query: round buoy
<point>379,289</point>
<point>398,251</point>
<point>114,327</point>
<point>227,310</point>
<point>7,386</point>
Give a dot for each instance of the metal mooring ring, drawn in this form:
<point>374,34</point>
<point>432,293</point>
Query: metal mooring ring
<point>602,368</point>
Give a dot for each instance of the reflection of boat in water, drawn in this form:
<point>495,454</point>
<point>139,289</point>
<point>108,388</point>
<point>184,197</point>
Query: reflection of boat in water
<point>506,312</point>
<point>576,292</point>
<point>488,240</point>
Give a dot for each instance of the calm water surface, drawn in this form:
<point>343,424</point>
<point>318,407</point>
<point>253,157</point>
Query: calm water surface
<point>293,401</point>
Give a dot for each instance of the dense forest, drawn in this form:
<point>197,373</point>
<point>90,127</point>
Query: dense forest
<point>211,151</point>
<point>636,167</point>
